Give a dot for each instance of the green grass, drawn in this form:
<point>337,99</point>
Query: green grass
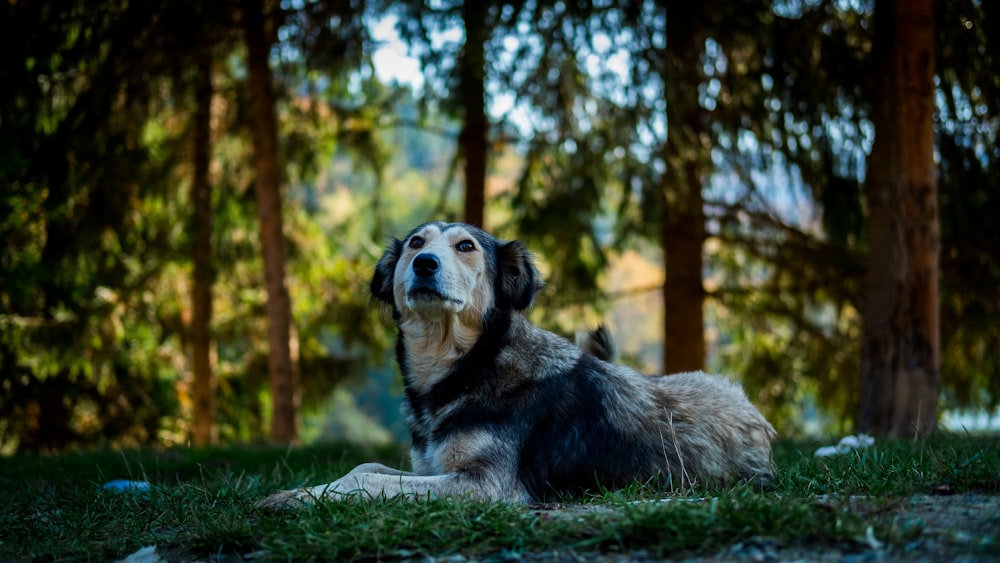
<point>202,506</point>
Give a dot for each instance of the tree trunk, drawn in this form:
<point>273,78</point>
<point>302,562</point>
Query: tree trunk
<point>682,224</point>
<point>267,185</point>
<point>900,349</point>
<point>475,131</point>
<point>682,230</point>
<point>203,430</point>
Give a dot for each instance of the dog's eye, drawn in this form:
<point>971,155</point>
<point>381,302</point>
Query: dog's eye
<point>416,242</point>
<point>465,246</point>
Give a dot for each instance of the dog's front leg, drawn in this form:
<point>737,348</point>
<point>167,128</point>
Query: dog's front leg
<point>390,483</point>
<point>378,482</point>
<point>346,486</point>
<point>377,468</point>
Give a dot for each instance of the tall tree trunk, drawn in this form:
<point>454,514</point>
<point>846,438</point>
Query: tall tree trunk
<point>900,349</point>
<point>203,431</point>
<point>475,131</point>
<point>682,231</point>
<point>682,226</point>
<point>268,188</point>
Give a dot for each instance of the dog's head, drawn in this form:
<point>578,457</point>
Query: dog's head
<point>441,270</point>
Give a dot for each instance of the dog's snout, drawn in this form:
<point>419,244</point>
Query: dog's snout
<point>426,265</point>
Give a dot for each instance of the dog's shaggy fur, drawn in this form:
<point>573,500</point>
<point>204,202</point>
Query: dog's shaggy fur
<point>500,409</point>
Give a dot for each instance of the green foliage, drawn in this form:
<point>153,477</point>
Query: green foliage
<point>968,55</point>
<point>95,277</point>
<point>75,291</point>
<point>789,265</point>
<point>767,102</point>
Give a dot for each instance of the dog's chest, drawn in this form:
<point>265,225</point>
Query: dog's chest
<point>424,462</point>
<point>455,453</point>
<point>441,442</point>
<point>426,452</point>
<point>422,431</point>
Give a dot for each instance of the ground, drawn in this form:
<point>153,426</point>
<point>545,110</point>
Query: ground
<point>921,528</point>
<point>926,528</point>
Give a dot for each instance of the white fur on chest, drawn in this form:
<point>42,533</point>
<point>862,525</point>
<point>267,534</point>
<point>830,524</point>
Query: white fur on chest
<point>432,348</point>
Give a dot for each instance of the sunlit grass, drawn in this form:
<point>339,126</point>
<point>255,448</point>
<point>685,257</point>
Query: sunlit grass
<point>202,505</point>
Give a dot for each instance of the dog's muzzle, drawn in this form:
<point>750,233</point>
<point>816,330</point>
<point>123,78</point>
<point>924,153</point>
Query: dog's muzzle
<point>426,284</point>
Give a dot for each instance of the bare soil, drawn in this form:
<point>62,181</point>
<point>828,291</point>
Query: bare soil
<point>922,528</point>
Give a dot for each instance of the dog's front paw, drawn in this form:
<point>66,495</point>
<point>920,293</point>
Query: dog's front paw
<point>286,500</point>
<point>345,488</point>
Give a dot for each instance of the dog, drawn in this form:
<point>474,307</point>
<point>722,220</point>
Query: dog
<point>502,410</point>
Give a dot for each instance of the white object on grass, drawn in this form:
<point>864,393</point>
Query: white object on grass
<point>144,555</point>
<point>846,444</point>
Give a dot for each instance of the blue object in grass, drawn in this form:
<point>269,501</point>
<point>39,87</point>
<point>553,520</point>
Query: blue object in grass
<point>124,485</point>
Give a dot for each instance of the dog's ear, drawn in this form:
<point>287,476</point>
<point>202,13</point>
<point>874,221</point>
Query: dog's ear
<point>382,279</point>
<point>518,278</point>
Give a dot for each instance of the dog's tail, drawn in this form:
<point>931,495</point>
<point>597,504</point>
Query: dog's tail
<point>598,343</point>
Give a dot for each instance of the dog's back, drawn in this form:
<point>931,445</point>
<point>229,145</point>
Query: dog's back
<point>689,402</point>
<point>593,425</point>
<point>726,439</point>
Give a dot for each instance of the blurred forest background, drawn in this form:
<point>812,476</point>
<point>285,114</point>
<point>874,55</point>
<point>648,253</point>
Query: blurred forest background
<point>193,194</point>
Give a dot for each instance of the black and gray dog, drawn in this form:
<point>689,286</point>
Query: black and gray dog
<point>500,409</point>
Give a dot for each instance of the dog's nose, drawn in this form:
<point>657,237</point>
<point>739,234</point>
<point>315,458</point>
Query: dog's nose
<point>425,265</point>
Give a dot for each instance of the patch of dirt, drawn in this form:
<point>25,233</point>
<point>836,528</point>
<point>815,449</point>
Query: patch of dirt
<point>947,527</point>
<point>921,528</point>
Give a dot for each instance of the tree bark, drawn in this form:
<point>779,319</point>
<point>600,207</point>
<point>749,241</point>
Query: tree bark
<point>268,188</point>
<point>682,238</point>
<point>900,349</point>
<point>203,430</point>
<point>682,224</point>
<point>475,131</point>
